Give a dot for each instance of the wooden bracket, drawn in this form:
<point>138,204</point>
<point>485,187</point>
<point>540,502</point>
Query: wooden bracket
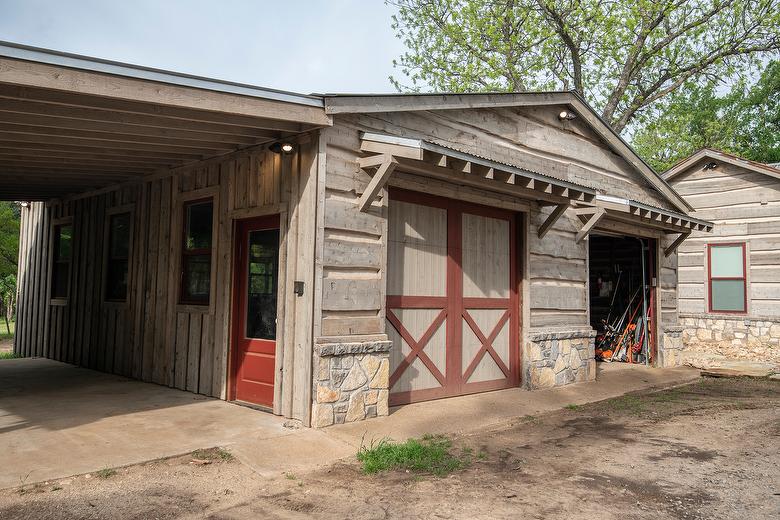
<point>377,181</point>
<point>592,221</point>
<point>552,219</point>
<point>677,241</point>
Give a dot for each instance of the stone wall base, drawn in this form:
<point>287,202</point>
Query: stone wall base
<point>559,358</point>
<point>706,337</point>
<point>351,382</point>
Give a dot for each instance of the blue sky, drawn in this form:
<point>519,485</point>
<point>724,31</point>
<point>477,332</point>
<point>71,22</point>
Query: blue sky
<point>298,45</point>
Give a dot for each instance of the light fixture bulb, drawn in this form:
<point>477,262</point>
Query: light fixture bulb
<point>565,115</point>
<point>287,148</point>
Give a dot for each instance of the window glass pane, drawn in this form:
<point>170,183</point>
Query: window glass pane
<point>262,280</point>
<point>198,232</point>
<point>116,280</point>
<point>726,262</point>
<point>59,288</point>
<point>64,239</point>
<point>728,295</point>
<point>197,278</point>
<point>119,236</point>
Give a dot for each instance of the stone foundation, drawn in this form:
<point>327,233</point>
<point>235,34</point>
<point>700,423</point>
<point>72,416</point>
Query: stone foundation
<point>351,382</point>
<point>707,336</point>
<point>559,358</point>
<point>670,351</point>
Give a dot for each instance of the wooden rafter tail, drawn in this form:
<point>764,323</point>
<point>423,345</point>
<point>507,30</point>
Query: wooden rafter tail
<point>552,219</point>
<point>592,221</point>
<point>674,245</point>
<point>377,182</point>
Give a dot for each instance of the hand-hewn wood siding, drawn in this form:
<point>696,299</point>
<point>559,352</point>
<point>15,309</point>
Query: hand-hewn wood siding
<point>152,337</point>
<point>745,207</point>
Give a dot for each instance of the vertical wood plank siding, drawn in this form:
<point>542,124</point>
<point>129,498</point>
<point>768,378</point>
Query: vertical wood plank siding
<point>745,207</point>
<point>151,337</point>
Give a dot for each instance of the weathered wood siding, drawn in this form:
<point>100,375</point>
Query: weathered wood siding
<point>745,207</point>
<point>152,337</point>
<point>354,257</point>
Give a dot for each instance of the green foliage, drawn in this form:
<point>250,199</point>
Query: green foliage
<point>744,120</point>
<point>623,56</point>
<point>9,238</point>
<point>431,454</point>
<point>8,355</point>
<point>105,473</point>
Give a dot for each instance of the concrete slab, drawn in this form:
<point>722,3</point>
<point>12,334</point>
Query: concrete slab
<point>58,420</point>
<point>479,411</point>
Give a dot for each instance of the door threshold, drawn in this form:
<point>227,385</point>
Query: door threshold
<point>254,406</point>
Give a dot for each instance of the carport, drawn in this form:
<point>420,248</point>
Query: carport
<point>58,420</point>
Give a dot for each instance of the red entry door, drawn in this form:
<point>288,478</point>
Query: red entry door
<point>254,317</point>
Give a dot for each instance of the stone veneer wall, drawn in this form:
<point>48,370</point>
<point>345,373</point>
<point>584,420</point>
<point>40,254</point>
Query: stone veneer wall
<point>560,358</point>
<point>707,336</point>
<point>351,382</point>
<point>670,351</point>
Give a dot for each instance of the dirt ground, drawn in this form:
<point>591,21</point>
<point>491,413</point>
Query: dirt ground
<point>706,450</point>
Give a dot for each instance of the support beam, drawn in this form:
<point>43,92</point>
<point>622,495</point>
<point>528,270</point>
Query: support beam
<point>377,182</point>
<point>674,245</point>
<point>552,219</point>
<point>592,221</point>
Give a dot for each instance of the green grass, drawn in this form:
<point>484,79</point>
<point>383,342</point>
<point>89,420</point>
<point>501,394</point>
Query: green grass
<point>213,454</point>
<point>7,355</point>
<point>4,334</point>
<point>432,454</point>
<point>105,473</point>
<point>572,406</point>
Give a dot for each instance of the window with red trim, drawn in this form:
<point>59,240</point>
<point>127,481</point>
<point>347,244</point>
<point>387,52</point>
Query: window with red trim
<point>727,278</point>
<point>196,252</point>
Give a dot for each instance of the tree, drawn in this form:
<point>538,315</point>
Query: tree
<point>623,56</point>
<point>745,120</point>
<point>9,254</point>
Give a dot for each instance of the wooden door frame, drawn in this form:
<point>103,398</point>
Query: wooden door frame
<point>235,304</point>
<point>455,306</point>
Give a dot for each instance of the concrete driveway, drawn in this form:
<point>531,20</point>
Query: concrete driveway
<point>58,420</point>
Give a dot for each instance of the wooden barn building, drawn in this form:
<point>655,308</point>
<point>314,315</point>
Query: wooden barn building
<point>729,280</point>
<point>324,257</point>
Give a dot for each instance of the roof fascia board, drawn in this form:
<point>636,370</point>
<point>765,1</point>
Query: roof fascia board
<point>38,75</point>
<point>76,61</point>
<point>345,104</point>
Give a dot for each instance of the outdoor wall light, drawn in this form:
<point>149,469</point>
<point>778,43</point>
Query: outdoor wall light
<point>565,115</point>
<point>281,148</point>
<point>710,166</point>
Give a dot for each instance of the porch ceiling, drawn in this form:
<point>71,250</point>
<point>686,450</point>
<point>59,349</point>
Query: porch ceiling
<point>70,124</point>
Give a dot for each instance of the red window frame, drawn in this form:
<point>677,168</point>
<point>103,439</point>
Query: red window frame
<point>185,298</point>
<point>743,278</point>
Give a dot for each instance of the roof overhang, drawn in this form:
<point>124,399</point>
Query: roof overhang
<point>432,160</point>
<point>71,124</point>
<point>707,153</point>
<point>634,212</point>
<point>370,103</point>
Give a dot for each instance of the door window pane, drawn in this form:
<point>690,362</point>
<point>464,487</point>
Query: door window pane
<point>262,280</point>
<point>728,295</point>
<point>726,262</point>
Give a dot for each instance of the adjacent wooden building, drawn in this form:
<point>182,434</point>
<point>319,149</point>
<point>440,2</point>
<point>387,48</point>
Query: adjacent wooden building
<point>729,280</point>
<point>323,257</point>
